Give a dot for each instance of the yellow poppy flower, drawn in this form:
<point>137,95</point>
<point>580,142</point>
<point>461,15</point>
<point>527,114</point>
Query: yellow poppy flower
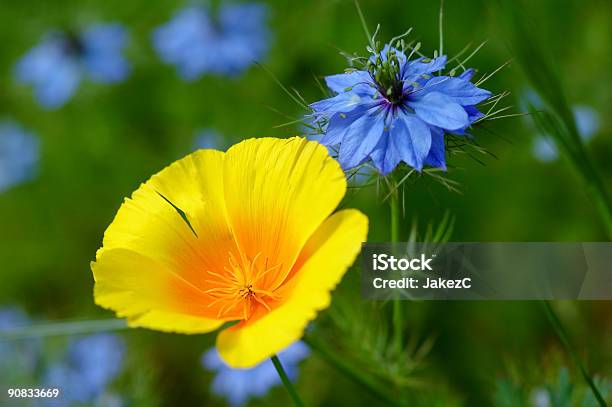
<point>247,236</point>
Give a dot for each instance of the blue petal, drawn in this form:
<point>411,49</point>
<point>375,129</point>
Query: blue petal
<point>53,72</point>
<point>437,154</point>
<point>411,138</point>
<point>234,385</point>
<point>440,110</point>
<point>342,82</point>
<point>341,103</point>
<point>107,69</point>
<point>185,41</point>
<point>38,63</point>
<point>360,137</point>
<point>174,40</point>
<point>98,358</point>
<point>384,156</point>
<point>467,75</point>
<point>413,69</point>
<point>238,386</point>
<point>196,45</point>
<point>209,139</point>
<point>234,52</point>
<point>459,90</point>
<point>212,361</point>
<point>544,149</point>
<point>61,375</point>
<point>587,121</point>
<point>473,113</point>
<point>20,358</point>
<point>19,154</point>
<point>60,86</point>
<point>105,37</point>
<point>243,37</point>
<point>339,123</point>
<point>103,52</point>
<point>529,99</point>
<point>295,353</point>
<point>244,18</point>
<point>91,363</point>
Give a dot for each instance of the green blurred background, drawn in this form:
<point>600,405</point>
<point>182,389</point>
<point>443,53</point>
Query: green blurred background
<point>108,139</point>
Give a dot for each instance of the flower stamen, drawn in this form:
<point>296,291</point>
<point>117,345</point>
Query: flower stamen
<point>241,283</point>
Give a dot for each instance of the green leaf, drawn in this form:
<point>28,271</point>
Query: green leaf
<point>181,213</point>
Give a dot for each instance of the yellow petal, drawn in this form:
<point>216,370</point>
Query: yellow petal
<point>174,261</point>
<point>322,263</point>
<point>149,294</point>
<point>257,245</point>
<point>149,225</point>
<point>277,193</point>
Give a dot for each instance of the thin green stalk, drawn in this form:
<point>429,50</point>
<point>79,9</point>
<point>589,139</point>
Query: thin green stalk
<point>556,119</point>
<point>398,316</point>
<point>364,24</point>
<point>441,28</point>
<point>355,375</point>
<point>297,401</point>
<point>395,215</point>
<point>600,197</point>
<point>562,334</point>
<point>566,137</point>
<point>62,328</point>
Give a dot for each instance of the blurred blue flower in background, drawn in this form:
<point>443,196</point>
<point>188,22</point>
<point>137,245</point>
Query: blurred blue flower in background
<point>91,363</point>
<point>544,148</point>
<point>210,139</point>
<point>56,66</point>
<point>238,386</point>
<point>19,153</point>
<point>197,42</point>
<point>540,398</point>
<point>587,123</point>
<point>18,359</point>
<point>397,110</point>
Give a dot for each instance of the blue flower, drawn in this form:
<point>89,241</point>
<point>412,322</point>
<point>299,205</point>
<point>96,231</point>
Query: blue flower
<point>91,363</point>
<point>544,149</point>
<point>19,152</point>
<point>56,66</point>
<point>540,398</point>
<point>197,42</point>
<point>18,359</point>
<point>238,386</point>
<point>587,123</point>
<point>210,139</point>
<point>397,110</point>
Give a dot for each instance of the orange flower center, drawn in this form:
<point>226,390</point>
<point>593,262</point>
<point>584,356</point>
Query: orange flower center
<point>242,285</point>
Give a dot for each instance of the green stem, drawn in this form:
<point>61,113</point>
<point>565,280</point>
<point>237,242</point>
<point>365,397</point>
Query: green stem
<point>297,401</point>
<point>355,375</point>
<point>562,334</point>
<point>395,216</point>
<point>63,328</point>
<point>600,196</point>
<point>440,27</point>
<point>364,24</point>
<point>398,316</point>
